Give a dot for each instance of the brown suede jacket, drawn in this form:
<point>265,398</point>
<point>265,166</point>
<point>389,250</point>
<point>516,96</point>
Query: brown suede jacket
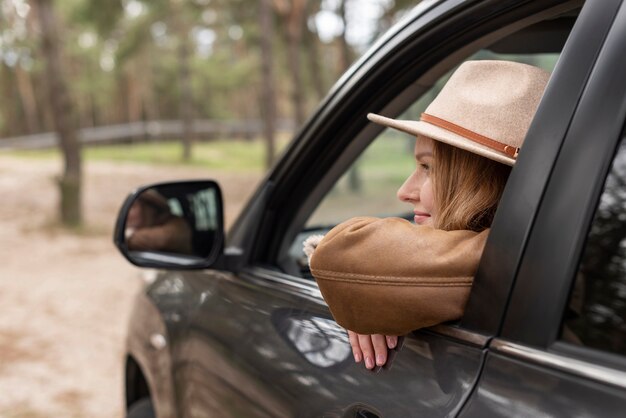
<point>389,276</point>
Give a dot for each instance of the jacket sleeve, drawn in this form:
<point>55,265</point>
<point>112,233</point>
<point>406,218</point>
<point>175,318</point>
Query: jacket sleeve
<point>389,276</point>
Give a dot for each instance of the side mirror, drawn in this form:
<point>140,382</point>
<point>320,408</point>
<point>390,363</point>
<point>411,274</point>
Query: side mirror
<point>172,225</point>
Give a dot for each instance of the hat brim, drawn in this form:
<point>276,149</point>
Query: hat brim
<point>415,128</point>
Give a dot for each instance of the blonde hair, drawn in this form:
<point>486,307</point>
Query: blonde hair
<point>466,188</point>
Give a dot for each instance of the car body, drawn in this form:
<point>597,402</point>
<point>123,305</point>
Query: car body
<point>250,336</point>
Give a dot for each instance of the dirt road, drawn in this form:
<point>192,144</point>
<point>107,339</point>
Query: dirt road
<point>65,297</point>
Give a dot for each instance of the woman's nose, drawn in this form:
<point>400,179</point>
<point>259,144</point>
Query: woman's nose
<point>409,191</point>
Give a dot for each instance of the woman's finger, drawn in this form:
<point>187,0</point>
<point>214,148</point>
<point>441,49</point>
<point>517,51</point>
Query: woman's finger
<point>365,342</point>
<point>380,348</point>
<point>356,348</point>
<point>392,341</point>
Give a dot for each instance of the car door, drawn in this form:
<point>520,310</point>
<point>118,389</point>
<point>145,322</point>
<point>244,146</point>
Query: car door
<point>562,348</point>
<point>258,339</point>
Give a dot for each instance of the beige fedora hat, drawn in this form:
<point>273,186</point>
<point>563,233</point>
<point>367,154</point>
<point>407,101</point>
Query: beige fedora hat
<point>485,107</point>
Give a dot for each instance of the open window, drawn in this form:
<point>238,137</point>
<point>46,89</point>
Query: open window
<point>367,185</point>
<point>394,79</point>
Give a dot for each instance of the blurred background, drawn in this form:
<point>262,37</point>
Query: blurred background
<point>99,97</point>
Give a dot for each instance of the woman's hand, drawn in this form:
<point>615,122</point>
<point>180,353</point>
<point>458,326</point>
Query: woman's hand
<point>371,348</point>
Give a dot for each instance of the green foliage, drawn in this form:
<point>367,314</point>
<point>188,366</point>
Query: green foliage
<point>136,37</point>
<point>389,157</point>
<point>225,154</point>
<point>103,15</point>
<point>217,91</point>
<point>387,161</point>
<point>122,57</point>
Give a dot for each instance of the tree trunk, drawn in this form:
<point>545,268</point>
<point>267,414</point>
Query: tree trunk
<point>293,53</point>
<point>10,115</point>
<point>185,99</point>
<point>133,92</point>
<point>313,53</point>
<point>268,93</point>
<point>120,114</point>
<point>294,32</point>
<point>63,115</point>
<point>293,15</point>
<point>345,52</point>
<point>27,96</point>
<point>354,174</point>
<point>186,108</point>
<point>150,105</point>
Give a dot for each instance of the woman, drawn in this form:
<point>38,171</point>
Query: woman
<point>386,277</point>
<point>151,226</point>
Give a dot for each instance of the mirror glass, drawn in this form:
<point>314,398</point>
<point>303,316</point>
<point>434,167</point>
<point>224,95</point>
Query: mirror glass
<point>174,219</point>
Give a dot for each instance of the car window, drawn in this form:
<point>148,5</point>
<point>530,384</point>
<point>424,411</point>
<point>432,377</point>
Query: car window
<point>368,187</point>
<point>596,313</point>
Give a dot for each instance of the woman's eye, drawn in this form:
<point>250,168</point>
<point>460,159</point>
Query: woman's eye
<point>425,167</point>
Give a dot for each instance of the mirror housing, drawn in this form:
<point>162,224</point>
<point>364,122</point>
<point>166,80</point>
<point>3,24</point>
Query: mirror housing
<point>174,225</point>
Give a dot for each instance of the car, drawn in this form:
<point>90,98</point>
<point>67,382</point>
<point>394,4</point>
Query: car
<point>235,326</point>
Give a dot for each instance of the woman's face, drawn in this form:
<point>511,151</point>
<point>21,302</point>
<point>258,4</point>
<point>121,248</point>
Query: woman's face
<point>418,188</point>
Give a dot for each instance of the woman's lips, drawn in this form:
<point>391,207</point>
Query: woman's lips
<point>421,217</point>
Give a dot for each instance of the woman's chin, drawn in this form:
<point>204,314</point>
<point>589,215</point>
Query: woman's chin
<point>423,220</point>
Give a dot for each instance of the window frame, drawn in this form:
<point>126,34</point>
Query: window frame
<point>309,169</point>
<point>552,255</point>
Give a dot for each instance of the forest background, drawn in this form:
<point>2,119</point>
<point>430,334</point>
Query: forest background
<point>250,70</point>
<point>261,65</point>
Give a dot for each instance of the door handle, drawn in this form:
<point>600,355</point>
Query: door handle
<point>361,411</point>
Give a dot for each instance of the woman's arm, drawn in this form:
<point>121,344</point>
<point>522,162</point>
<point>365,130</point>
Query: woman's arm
<point>389,276</point>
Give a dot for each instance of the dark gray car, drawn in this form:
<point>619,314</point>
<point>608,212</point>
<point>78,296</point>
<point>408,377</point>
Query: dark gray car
<point>234,326</point>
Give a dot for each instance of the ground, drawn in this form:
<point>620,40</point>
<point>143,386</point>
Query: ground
<point>65,296</point>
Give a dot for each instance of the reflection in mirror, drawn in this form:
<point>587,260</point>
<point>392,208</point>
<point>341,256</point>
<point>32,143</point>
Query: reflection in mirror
<point>175,219</point>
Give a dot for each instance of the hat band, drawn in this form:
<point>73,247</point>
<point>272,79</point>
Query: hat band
<point>471,135</point>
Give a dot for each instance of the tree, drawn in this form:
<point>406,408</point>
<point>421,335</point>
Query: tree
<point>312,44</point>
<point>292,13</point>
<point>63,115</point>
<point>15,20</point>
<point>132,60</point>
<point>345,50</point>
<point>132,35</point>
<point>184,56</point>
<point>268,94</point>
